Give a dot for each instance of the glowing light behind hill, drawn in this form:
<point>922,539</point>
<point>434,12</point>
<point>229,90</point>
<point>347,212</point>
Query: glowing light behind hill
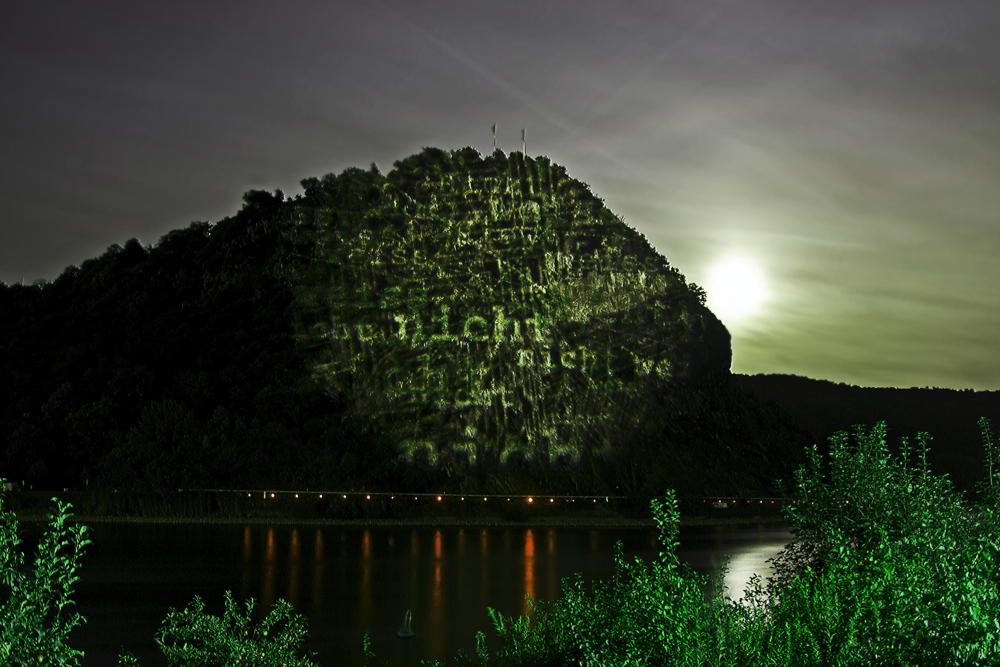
<point>736,290</point>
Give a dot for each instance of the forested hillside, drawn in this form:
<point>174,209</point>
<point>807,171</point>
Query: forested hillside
<point>153,367</point>
<point>460,322</point>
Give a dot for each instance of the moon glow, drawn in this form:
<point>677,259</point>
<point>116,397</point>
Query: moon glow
<point>735,289</point>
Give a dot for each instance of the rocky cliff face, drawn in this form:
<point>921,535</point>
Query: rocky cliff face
<point>492,307</point>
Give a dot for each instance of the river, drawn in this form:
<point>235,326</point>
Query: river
<point>352,580</point>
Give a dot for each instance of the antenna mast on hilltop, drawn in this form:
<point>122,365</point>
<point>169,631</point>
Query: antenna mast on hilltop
<point>494,137</point>
<point>524,145</point>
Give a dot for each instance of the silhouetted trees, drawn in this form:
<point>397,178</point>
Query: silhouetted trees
<point>167,366</point>
<point>951,416</point>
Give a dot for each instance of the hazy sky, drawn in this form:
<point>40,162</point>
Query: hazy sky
<point>851,150</point>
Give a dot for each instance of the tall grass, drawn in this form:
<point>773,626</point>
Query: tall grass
<point>889,567</point>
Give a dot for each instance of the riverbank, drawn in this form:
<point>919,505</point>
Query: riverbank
<point>477,522</point>
<point>372,510</point>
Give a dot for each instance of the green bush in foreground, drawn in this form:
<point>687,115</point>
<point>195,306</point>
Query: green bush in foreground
<point>192,638</point>
<point>35,615</point>
<point>889,567</point>
<point>903,571</point>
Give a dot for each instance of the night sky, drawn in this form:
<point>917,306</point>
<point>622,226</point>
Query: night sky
<point>848,151</point>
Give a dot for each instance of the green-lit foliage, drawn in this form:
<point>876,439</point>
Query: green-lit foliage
<point>902,571</point>
<point>193,638</point>
<point>889,568</point>
<point>36,614</point>
<point>989,488</point>
<point>493,303</point>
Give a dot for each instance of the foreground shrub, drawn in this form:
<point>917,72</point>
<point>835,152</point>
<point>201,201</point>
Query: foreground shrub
<point>889,567</point>
<point>36,602</point>
<point>899,570</point>
<point>192,638</point>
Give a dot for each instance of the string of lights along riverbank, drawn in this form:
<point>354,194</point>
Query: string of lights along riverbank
<point>266,494</point>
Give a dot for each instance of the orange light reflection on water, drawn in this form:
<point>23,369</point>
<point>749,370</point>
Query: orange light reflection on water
<point>270,565</point>
<point>529,566</point>
<point>293,568</point>
<point>247,553</point>
<point>365,604</point>
<point>317,583</point>
<point>437,615</point>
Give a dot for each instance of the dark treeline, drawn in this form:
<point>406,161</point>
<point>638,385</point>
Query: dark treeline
<point>949,416</point>
<point>184,365</point>
<point>171,366</point>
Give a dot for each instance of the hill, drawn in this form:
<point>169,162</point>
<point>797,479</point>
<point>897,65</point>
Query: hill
<point>949,416</point>
<point>461,322</point>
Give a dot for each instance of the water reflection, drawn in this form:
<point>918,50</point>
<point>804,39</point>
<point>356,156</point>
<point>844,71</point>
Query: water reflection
<point>743,552</point>
<point>448,577</point>
<point>437,616</point>
<point>247,552</point>
<point>270,565</point>
<point>743,565</point>
<point>552,587</point>
<point>293,572</point>
<point>529,568</point>
<point>319,561</point>
<point>365,609</point>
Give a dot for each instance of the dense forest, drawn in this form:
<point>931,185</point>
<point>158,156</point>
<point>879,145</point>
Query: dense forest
<point>459,323</point>
<point>166,366</point>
